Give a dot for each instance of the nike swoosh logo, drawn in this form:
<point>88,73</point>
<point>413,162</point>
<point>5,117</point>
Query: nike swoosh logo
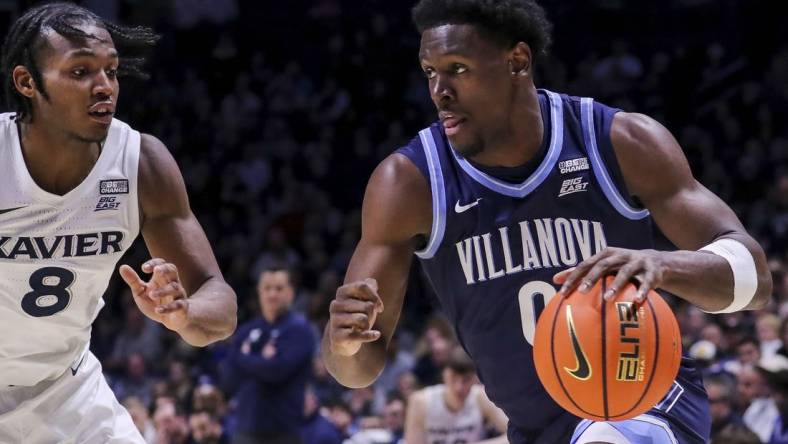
<point>74,370</point>
<point>582,370</point>
<point>10,209</point>
<point>463,208</point>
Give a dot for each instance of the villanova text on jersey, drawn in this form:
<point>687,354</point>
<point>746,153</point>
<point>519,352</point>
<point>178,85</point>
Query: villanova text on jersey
<point>544,243</point>
<point>497,241</point>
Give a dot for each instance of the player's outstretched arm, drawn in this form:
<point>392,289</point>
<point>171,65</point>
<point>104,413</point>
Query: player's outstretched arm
<point>186,292</point>
<point>396,211</point>
<point>733,275</point>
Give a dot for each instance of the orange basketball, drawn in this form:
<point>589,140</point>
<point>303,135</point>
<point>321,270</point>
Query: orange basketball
<point>607,360</point>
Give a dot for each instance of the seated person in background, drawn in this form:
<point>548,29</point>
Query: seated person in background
<point>455,411</point>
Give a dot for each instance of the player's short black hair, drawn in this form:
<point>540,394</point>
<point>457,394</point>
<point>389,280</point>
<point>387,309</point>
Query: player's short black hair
<point>27,37</point>
<point>505,22</point>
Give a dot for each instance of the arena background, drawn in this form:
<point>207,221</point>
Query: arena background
<point>277,112</point>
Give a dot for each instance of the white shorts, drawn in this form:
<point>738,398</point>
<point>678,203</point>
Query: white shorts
<point>76,408</point>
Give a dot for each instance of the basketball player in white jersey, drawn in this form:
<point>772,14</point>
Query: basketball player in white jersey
<point>456,411</point>
<point>76,187</point>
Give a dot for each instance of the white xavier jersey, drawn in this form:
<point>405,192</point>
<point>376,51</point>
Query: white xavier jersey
<point>57,254</point>
<point>446,427</point>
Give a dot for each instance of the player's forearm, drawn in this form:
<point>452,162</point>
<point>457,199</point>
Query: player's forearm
<point>707,281</point>
<point>359,370</point>
<point>212,314</point>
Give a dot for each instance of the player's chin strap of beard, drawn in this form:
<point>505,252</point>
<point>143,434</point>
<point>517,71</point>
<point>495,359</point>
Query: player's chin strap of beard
<point>745,276</point>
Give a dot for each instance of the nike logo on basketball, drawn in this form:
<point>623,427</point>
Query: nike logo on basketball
<point>74,370</point>
<point>9,210</point>
<point>582,370</point>
<point>463,208</point>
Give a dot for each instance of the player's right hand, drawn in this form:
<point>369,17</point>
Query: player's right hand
<point>353,314</point>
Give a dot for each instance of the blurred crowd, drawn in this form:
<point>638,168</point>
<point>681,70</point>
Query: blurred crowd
<point>277,115</point>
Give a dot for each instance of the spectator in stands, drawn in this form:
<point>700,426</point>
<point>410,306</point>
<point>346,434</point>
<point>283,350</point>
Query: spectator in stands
<point>269,365</point>
<point>736,434</point>
<point>455,411</point>
<point>171,426</point>
<point>437,343</point>
<point>398,361</point>
<point>775,371</point>
<point>141,417</point>
<point>751,392</point>
<point>135,381</point>
<point>767,328</point>
<point>139,335</point>
<point>338,412</point>
<point>721,390</point>
<point>748,353</point>
<point>206,429</point>
<point>317,429</point>
<point>394,417</point>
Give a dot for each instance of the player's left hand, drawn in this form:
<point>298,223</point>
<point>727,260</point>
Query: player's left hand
<point>162,298</point>
<point>645,266</point>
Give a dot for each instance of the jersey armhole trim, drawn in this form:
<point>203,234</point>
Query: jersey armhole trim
<point>134,143</point>
<point>438,195</point>
<point>600,171</point>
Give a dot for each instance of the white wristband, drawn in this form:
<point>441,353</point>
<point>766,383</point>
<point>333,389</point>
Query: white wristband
<point>745,276</point>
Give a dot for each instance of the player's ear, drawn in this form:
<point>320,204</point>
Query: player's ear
<point>23,81</point>
<point>520,59</point>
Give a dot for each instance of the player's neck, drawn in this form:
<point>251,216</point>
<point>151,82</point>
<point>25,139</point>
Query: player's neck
<point>56,162</point>
<point>522,138</point>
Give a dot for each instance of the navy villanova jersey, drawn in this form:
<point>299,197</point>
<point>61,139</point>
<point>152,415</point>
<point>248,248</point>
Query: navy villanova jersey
<point>495,246</point>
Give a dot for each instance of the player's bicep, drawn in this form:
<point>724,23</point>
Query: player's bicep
<point>693,217</point>
<point>182,241</point>
<point>657,173</point>
<point>395,214</point>
<point>170,229</point>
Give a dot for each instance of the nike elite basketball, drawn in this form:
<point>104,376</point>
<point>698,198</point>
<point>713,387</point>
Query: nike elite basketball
<point>607,360</point>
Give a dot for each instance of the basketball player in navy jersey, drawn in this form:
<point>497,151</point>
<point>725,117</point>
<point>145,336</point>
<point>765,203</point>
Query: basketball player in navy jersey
<point>76,188</point>
<point>517,195</point>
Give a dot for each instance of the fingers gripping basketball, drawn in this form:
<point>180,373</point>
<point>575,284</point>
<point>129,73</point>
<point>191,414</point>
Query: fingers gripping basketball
<point>607,360</point>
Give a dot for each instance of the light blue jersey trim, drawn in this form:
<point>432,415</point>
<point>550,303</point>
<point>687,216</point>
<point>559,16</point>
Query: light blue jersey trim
<point>541,173</point>
<point>438,195</point>
<point>601,173</point>
<point>641,429</point>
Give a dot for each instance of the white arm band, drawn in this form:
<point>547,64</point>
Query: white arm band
<point>745,276</point>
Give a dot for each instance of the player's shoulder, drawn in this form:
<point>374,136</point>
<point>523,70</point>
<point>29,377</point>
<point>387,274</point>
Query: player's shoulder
<point>414,148</point>
<point>573,105</point>
<point>640,139</point>
<point>398,201</point>
<point>157,165</point>
<point>152,148</point>
<point>409,161</point>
